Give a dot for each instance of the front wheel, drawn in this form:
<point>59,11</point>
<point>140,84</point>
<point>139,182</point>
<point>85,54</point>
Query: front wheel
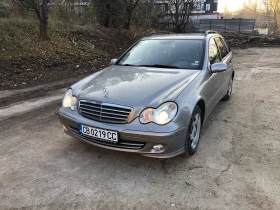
<point>193,134</point>
<point>229,91</point>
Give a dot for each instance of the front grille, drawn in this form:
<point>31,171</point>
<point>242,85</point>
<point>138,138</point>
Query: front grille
<point>124,144</point>
<point>104,112</point>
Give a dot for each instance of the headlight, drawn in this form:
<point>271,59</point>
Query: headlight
<point>161,116</point>
<point>69,101</point>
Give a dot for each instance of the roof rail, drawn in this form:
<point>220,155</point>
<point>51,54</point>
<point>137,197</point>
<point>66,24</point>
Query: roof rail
<point>161,32</point>
<point>211,32</point>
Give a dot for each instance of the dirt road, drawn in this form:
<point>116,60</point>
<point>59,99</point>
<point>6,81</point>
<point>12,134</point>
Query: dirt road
<point>236,166</point>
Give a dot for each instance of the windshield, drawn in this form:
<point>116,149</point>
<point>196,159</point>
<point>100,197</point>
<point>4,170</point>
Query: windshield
<point>180,54</point>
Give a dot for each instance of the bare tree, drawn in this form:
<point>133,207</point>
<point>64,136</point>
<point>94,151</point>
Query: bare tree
<point>144,15</point>
<point>180,11</point>
<point>40,7</point>
<point>272,8</point>
<point>253,6</point>
<point>109,13</point>
<point>108,10</point>
<point>130,5</point>
<point>275,9</point>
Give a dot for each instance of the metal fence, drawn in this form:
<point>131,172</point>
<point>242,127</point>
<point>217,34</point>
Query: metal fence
<point>225,25</point>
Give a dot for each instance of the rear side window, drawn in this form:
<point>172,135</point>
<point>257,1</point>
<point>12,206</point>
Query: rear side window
<point>222,48</point>
<point>228,48</point>
<point>214,56</point>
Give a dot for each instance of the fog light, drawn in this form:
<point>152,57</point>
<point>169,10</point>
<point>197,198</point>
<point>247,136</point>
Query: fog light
<point>158,147</point>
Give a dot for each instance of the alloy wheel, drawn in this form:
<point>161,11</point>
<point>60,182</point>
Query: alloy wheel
<point>230,87</point>
<point>195,130</point>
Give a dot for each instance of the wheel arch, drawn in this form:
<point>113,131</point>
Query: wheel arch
<point>201,105</point>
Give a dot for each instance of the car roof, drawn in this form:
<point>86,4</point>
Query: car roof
<point>200,36</point>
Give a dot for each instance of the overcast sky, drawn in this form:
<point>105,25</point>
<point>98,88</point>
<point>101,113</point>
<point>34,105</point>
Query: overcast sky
<point>231,4</point>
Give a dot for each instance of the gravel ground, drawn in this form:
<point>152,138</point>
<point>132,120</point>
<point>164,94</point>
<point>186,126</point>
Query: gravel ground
<point>236,166</point>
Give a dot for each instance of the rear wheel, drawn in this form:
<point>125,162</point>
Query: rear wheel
<point>193,134</point>
<point>229,91</point>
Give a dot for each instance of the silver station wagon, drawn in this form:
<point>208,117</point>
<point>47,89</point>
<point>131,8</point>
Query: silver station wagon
<point>155,98</point>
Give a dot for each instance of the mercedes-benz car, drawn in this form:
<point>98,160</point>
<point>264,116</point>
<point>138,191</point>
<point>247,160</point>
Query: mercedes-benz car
<point>155,98</point>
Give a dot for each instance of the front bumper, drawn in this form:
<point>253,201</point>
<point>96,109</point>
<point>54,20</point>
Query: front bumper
<point>133,137</point>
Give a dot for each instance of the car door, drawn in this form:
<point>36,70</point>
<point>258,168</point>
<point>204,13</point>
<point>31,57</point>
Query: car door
<point>226,59</point>
<point>214,81</point>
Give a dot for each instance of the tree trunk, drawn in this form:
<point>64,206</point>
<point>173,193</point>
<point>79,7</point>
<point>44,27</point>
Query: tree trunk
<point>43,18</point>
<point>188,23</point>
<point>44,30</point>
<point>275,23</point>
<point>128,19</point>
<point>177,19</point>
<point>275,27</point>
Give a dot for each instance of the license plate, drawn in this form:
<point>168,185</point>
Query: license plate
<point>97,133</point>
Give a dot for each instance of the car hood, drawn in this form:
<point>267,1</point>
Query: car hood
<point>136,86</point>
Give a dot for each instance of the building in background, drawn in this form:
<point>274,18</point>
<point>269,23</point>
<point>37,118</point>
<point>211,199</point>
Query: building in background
<point>78,6</point>
<point>206,9</point>
<point>202,9</point>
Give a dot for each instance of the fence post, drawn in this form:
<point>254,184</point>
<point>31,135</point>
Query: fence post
<point>210,24</point>
<point>254,26</point>
<point>225,25</point>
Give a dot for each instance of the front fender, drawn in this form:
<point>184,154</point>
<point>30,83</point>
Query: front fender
<point>189,98</point>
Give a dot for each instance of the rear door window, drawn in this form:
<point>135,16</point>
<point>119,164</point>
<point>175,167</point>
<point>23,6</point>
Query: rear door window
<point>214,56</point>
<point>227,46</point>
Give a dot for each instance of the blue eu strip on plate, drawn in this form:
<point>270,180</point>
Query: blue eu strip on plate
<point>80,128</point>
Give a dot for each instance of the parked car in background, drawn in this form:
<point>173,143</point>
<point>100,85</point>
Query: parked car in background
<point>154,99</point>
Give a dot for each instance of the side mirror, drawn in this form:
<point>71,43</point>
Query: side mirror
<point>113,61</point>
<point>218,67</point>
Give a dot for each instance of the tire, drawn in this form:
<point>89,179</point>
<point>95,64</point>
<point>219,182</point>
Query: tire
<point>229,90</point>
<point>193,133</point>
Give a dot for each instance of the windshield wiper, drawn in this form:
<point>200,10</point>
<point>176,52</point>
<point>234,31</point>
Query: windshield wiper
<point>126,65</point>
<point>161,66</point>
<point>155,66</point>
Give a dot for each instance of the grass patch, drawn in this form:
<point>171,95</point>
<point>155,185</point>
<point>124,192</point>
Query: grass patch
<point>73,50</point>
<point>19,40</point>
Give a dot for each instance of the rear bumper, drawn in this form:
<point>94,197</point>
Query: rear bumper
<point>136,141</point>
